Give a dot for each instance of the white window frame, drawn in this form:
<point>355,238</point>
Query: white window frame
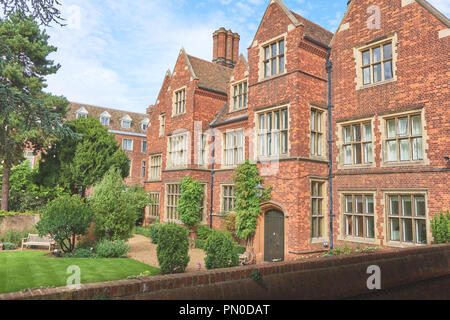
<point>237,97</point>
<point>179,106</point>
<point>155,167</point>
<point>128,148</point>
<point>235,147</point>
<point>273,132</point>
<point>178,150</point>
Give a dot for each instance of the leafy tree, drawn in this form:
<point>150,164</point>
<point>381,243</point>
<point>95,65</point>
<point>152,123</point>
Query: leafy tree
<point>64,219</point>
<point>248,203</point>
<point>116,207</point>
<point>24,194</point>
<point>189,205</point>
<point>43,11</point>
<point>29,116</point>
<point>78,162</point>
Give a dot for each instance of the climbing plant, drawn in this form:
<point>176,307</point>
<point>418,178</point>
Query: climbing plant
<point>247,201</point>
<point>189,205</point>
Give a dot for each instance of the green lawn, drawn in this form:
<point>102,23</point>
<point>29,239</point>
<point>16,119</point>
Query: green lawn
<point>32,270</point>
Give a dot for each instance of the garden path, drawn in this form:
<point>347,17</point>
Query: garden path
<point>143,250</point>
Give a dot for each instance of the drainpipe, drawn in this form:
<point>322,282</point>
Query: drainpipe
<point>329,67</point>
<point>212,177</point>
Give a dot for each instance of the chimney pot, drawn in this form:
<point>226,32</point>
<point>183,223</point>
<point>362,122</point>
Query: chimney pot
<point>225,47</point>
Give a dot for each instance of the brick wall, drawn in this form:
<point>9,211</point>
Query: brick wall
<point>322,278</point>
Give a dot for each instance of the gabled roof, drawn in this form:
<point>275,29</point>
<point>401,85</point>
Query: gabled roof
<point>116,116</point>
<point>210,75</point>
<point>425,4</point>
<point>314,31</point>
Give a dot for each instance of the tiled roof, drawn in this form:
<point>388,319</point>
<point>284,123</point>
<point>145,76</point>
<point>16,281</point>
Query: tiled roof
<point>210,75</point>
<point>115,120</point>
<point>315,31</point>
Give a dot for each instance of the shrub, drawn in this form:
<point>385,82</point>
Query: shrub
<point>230,223</point>
<point>440,227</point>
<point>80,253</point>
<point>189,205</point>
<point>143,231</point>
<point>85,243</point>
<point>203,232</point>
<point>153,231</point>
<point>116,207</point>
<point>9,246</point>
<point>13,213</point>
<point>111,249</point>
<point>64,219</point>
<point>220,251</point>
<point>16,237</point>
<point>200,244</point>
<point>240,249</point>
<point>173,248</point>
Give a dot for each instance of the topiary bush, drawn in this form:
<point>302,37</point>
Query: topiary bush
<point>203,232</point>
<point>220,251</point>
<point>9,246</point>
<point>173,248</point>
<point>111,249</point>
<point>440,227</point>
<point>153,231</point>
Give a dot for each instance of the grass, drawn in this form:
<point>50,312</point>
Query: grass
<point>33,270</point>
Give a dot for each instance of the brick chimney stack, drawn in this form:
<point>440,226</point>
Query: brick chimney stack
<point>225,47</point>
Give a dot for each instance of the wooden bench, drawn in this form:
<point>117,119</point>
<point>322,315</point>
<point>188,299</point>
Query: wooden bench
<point>36,240</point>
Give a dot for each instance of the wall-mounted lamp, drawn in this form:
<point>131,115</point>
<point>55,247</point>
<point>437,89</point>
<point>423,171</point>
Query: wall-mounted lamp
<point>259,190</point>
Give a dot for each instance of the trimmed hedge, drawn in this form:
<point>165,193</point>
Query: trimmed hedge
<point>153,231</point>
<point>9,246</point>
<point>13,213</point>
<point>111,249</point>
<point>203,232</point>
<point>220,251</point>
<point>173,248</point>
<point>80,253</point>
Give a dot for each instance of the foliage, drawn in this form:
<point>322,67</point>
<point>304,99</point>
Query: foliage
<point>200,244</point>
<point>203,232</point>
<point>173,248</point>
<point>440,227</point>
<point>143,231</point>
<point>85,243</point>
<point>189,205</point>
<point>111,249</point>
<point>345,250</point>
<point>43,11</point>
<point>220,251</point>
<point>77,163</point>
<point>230,223</point>
<point>240,249</point>
<point>80,253</point>
<point>29,117</point>
<point>258,278</point>
<point>64,219</point>
<point>16,237</point>
<point>247,203</point>
<point>13,213</point>
<point>154,231</point>
<point>9,246</point>
<point>116,207</point>
<point>24,193</point>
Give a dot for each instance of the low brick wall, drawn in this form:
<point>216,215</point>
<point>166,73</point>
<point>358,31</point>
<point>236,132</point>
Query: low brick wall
<point>18,223</point>
<point>321,278</point>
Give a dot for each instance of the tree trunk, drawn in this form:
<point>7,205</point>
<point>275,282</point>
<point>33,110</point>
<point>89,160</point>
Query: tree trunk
<point>5,188</point>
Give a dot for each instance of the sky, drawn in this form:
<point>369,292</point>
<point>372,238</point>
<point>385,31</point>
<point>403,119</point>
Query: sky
<point>115,53</point>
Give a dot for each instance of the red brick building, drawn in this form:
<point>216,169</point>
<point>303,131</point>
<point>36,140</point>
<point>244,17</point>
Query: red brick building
<point>391,122</point>
<point>272,109</point>
<point>130,131</point>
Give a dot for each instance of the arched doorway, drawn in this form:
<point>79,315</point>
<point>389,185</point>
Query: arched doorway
<point>274,236</point>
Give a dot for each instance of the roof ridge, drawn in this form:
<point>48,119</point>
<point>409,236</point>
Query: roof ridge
<point>204,60</point>
<point>100,107</point>
<point>314,23</point>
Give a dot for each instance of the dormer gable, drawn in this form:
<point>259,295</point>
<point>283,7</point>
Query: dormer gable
<point>105,118</point>
<point>81,113</point>
<point>125,122</point>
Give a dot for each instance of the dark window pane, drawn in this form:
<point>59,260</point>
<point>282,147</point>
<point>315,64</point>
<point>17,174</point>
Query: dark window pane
<point>407,230</point>
<point>395,229</point>
<point>420,206</point>
<point>393,205</point>
<point>421,231</point>
<point>366,76</point>
<point>366,57</point>
<point>357,133</point>
<point>281,70</point>
<point>387,51</point>
<point>388,70</point>
<point>376,55</point>
<point>370,227</point>
<point>377,73</point>
<point>359,204</point>
<point>357,153</point>
<point>281,46</point>
<point>406,206</point>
